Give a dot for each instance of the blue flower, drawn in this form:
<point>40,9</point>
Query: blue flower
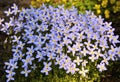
<point>73,49</point>
<point>72,68</point>
<point>101,67</point>
<point>58,59</point>
<point>19,26</point>
<point>1,20</point>
<point>15,50</point>
<point>15,9</point>
<point>14,66</point>
<point>105,60</point>
<point>30,50</point>
<point>39,43</point>
<point>8,24</point>
<point>26,72</point>
<point>27,61</point>
<point>10,73</point>
<point>99,54</point>
<point>40,56</point>
<point>46,68</point>
<point>51,56</point>
<point>84,51</point>
<point>20,45</point>
<point>21,55</point>
<point>111,55</point>
<point>9,78</point>
<point>34,66</point>
<point>61,37</point>
<point>9,12</point>
<point>16,39</point>
<point>9,64</point>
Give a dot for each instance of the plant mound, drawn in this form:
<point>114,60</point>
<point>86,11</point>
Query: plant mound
<point>49,38</point>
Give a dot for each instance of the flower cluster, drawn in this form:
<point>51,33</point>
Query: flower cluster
<point>108,7</point>
<point>58,37</point>
<point>101,7</point>
<point>81,5</point>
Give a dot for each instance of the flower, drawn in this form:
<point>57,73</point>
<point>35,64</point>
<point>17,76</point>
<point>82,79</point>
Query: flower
<point>27,61</point>
<point>51,56</point>
<point>101,67</point>
<point>92,58</point>
<point>99,54</point>
<point>84,51</point>
<point>34,66</point>
<point>78,60</point>
<point>59,37</point>
<point>30,51</point>
<point>46,68</point>
<point>97,6</point>
<point>105,60</point>
<point>14,66</point>
<point>9,64</point>
<point>88,44</point>
<point>26,72</point>
<point>47,65</point>
<point>73,49</point>
<point>58,60</point>
<point>1,20</point>
<point>66,41</point>
<point>16,39</point>
<point>21,55</point>
<point>10,72</point>
<point>9,12</point>
<point>8,24</point>
<point>107,12</point>
<point>20,45</point>
<point>83,72</point>
<point>111,55</point>
<point>10,75</point>
<point>15,50</point>
<point>40,56</point>
<point>15,9</point>
<point>84,62</point>
<point>72,68</point>
<point>9,78</point>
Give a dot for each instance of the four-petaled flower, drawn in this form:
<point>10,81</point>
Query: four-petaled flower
<point>72,68</point>
<point>15,9</point>
<point>28,60</point>
<point>46,68</point>
<point>83,71</point>
<point>101,67</point>
<point>78,60</point>
<point>9,12</point>
<point>1,20</point>
<point>26,72</point>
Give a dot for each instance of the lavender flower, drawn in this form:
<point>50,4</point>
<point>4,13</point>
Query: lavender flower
<point>59,36</point>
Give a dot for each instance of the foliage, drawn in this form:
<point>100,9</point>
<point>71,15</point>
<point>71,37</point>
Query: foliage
<point>107,7</point>
<point>100,7</point>
<point>81,5</point>
<point>56,43</point>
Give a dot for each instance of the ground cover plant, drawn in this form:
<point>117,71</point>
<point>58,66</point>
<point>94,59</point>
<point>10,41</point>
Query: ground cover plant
<point>81,5</point>
<point>107,7</point>
<point>59,43</point>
